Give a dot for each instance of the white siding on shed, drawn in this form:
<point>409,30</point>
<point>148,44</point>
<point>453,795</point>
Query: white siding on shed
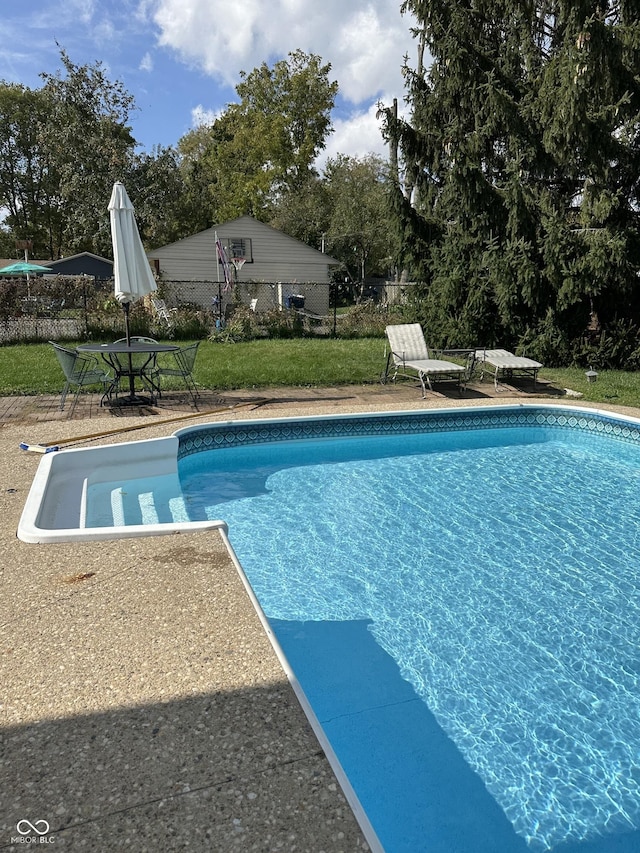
<point>276,256</point>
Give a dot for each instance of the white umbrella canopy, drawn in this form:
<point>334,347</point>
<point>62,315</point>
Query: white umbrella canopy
<point>131,270</point>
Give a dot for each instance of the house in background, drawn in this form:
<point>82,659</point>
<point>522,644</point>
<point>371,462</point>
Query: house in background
<point>276,267</point>
<point>84,263</point>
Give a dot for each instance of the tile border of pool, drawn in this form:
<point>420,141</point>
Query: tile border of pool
<point>552,416</point>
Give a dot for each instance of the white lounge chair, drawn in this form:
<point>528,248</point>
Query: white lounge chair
<point>163,313</point>
<point>409,352</point>
<point>505,364</point>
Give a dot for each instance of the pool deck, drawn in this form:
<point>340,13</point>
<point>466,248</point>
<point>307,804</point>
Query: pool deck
<point>142,704</point>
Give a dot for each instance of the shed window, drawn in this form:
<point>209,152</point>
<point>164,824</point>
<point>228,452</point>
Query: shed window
<point>238,247</point>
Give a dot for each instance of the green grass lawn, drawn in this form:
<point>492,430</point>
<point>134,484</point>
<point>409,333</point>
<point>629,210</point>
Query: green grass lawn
<point>34,369</point>
<point>297,361</point>
<point>611,386</point>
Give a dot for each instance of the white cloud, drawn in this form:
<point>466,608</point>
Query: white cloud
<point>104,31</point>
<point>357,135</point>
<point>365,41</point>
<point>146,63</point>
<point>369,60</point>
<point>201,117</point>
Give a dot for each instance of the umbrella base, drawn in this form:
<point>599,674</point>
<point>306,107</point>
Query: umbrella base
<point>133,400</point>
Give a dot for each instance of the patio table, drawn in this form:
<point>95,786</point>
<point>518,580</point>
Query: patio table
<point>124,368</point>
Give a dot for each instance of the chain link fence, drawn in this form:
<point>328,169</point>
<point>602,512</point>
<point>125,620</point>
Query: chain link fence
<point>81,308</point>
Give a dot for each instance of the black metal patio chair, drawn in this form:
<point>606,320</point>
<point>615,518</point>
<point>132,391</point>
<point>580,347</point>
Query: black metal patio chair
<point>182,367</point>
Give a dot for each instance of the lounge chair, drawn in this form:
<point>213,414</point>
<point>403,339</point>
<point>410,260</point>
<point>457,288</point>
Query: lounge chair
<point>163,313</point>
<point>409,352</point>
<point>80,370</point>
<point>183,363</point>
<point>505,364</point>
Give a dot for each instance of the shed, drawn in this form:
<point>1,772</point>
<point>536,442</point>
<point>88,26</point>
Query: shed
<point>270,255</point>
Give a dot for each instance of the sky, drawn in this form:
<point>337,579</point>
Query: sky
<point>180,59</point>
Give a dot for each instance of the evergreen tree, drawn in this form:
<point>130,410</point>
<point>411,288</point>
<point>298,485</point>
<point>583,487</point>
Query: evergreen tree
<point>517,188</point>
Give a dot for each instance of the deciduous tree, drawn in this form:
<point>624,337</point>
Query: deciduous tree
<point>264,145</point>
<point>89,141</point>
<point>360,231</point>
<point>28,178</point>
<point>305,212</point>
<point>61,148</point>
<point>165,211</point>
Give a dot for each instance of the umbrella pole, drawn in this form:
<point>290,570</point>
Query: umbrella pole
<point>126,306</point>
<point>132,384</point>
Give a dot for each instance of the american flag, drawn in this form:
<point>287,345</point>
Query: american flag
<point>222,255</point>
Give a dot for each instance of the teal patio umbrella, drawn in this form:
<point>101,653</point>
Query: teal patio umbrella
<point>23,268</point>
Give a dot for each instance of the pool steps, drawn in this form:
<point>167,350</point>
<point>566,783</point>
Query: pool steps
<point>57,507</point>
<point>163,505</point>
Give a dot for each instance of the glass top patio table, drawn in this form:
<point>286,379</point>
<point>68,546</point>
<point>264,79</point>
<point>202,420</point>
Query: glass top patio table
<point>124,367</point>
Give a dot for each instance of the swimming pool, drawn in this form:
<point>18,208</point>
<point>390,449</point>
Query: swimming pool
<point>462,614</point>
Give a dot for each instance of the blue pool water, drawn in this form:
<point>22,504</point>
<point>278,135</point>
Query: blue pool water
<point>462,611</point>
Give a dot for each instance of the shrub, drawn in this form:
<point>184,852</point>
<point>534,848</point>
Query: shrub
<point>190,324</point>
<point>241,326</point>
<point>247,325</point>
<point>618,348</point>
<point>365,320</point>
<point>278,323</point>
<point>10,300</point>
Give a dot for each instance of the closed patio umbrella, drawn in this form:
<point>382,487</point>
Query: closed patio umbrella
<point>131,270</point>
